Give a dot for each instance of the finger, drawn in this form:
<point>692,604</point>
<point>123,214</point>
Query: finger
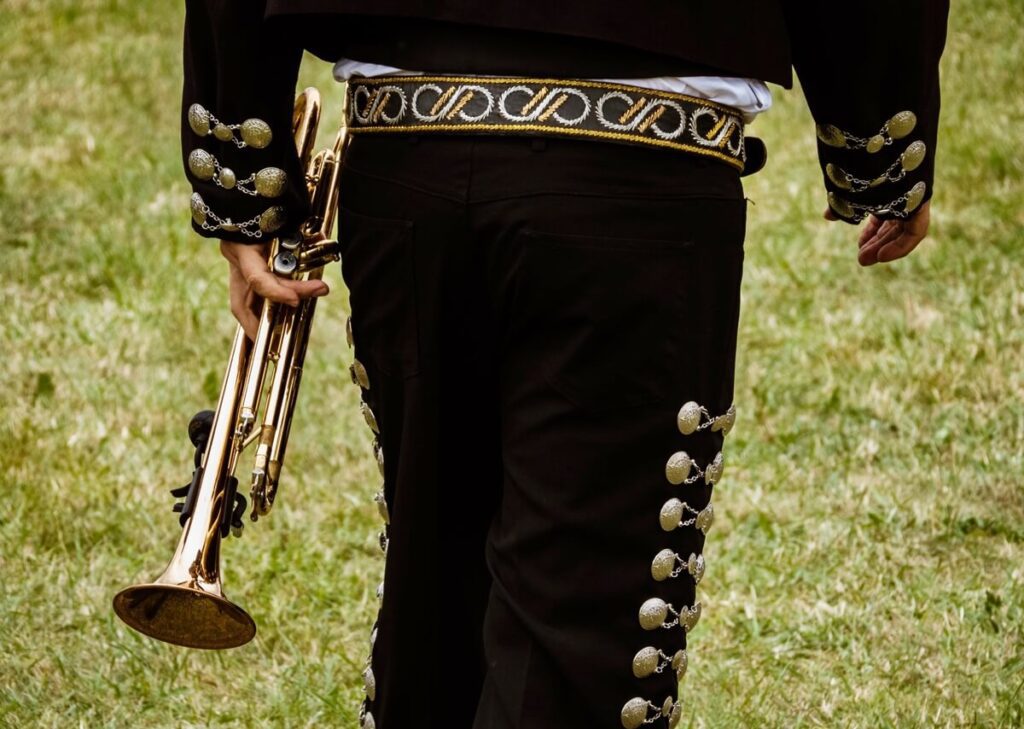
<point>888,231</point>
<point>868,253</point>
<point>253,267</point>
<point>253,302</point>
<point>284,290</point>
<point>249,321</point>
<point>307,289</point>
<point>870,230</point>
<point>240,297</point>
<point>899,248</point>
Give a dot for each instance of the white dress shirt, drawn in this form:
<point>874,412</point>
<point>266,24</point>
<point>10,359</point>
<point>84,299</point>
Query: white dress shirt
<point>749,96</point>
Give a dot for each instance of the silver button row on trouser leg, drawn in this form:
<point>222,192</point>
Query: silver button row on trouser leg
<point>673,511</point>
<point>639,711</point>
<point>650,660</point>
<point>693,418</point>
<point>667,565</point>
<point>361,377</point>
<point>366,718</point>
<point>655,613</point>
<point>680,469</point>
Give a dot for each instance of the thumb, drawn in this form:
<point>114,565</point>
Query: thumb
<point>309,288</point>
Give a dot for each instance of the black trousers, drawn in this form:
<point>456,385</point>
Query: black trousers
<point>529,316</point>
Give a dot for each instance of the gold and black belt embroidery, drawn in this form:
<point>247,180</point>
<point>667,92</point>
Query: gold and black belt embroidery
<point>553,107</point>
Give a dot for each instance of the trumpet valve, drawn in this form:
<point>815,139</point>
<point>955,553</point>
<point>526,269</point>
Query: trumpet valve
<point>285,263</point>
<point>246,419</point>
<point>259,482</point>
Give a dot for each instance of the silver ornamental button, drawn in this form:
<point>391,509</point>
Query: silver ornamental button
<point>913,156</point>
<point>688,418</point>
<point>380,590</point>
<point>653,613</point>
<point>881,180</point>
<point>201,164</point>
<point>369,417</point>
<point>227,178</point>
<point>695,566</point>
<point>842,208</point>
<point>256,133</point>
<point>634,713</point>
<point>713,473</point>
<point>875,143</point>
<point>666,706</point>
<point>197,205</point>
<point>272,219</point>
<point>914,197</point>
<point>675,716</point>
<point>359,376</point>
<point>725,421</point>
<point>690,616</point>
<point>706,518</point>
<point>831,135</point>
<point>671,514</point>
<point>199,120</point>
<point>223,132</point>
<point>370,683</point>
<point>373,637</point>
<point>382,541</point>
<point>678,467</point>
<point>901,125</point>
<point>368,722</point>
<point>229,226</point>
<point>680,663</point>
<point>839,178</point>
<point>348,331</point>
<point>270,181</point>
<point>645,662</point>
<point>382,506</point>
<point>663,564</point>
<point>379,452</point>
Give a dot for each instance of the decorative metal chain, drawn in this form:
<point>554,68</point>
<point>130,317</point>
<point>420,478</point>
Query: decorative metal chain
<point>227,224</point>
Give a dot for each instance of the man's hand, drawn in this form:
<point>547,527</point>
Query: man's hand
<point>250,281</point>
<point>885,241</point>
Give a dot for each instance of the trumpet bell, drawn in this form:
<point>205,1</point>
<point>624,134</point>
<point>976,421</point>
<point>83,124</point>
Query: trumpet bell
<point>184,615</point>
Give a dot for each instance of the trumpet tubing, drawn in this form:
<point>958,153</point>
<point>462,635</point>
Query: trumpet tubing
<point>186,604</point>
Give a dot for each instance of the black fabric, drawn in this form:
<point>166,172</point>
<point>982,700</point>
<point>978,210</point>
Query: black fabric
<point>531,320</point>
<point>856,75</point>
<point>580,39</point>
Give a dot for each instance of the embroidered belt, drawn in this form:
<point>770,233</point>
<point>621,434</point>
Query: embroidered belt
<point>549,107</point>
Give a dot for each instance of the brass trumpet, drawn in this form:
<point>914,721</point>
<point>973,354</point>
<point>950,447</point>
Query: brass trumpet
<point>186,604</point>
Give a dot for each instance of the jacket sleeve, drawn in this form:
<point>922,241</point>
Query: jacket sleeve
<point>870,72</point>
<point>237,144</point>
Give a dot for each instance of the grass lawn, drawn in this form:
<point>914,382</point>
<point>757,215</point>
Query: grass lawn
<point>867,569</point>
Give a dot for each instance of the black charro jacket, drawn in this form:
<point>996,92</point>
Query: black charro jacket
<point>869,70</point>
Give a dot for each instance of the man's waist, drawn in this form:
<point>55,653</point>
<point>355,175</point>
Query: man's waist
<point>748,96</point>
<point>557,107</point>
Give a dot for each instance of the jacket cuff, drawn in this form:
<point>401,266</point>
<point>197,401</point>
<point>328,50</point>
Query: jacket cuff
<point>887,173</point>
<point>251,205</point>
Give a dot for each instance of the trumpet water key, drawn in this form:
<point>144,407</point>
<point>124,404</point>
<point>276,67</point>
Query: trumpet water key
<point>186,604</point>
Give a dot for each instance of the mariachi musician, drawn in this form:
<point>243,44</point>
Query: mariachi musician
<point>542,222</point>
